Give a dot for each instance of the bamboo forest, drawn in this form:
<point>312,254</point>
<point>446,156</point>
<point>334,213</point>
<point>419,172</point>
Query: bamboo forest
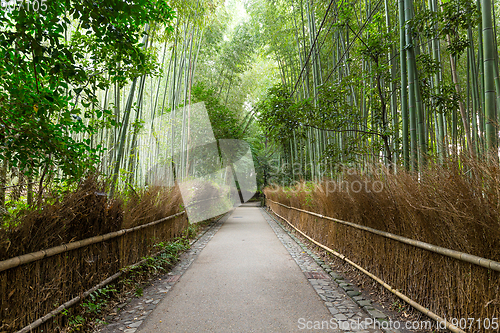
<point>135,134</point>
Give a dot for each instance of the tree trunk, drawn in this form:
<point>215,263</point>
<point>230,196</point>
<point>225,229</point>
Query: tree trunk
<point>489,83</point>
<point>412,86</point>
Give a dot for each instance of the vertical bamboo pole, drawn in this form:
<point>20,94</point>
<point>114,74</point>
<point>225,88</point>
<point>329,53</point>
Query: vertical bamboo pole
<point>489,83</point>
<point>412,103</point>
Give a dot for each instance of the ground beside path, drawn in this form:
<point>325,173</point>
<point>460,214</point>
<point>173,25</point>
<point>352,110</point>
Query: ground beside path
<point>247,276</point>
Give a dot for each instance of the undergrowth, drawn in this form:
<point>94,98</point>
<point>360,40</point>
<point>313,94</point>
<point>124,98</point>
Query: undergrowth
<point>95,309</point>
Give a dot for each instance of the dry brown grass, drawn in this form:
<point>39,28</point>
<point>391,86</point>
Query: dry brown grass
<point>453,206</point>
<point>85,213</point>
<point>32,290</point>
<point>151,204</point>
<point>80,214</point>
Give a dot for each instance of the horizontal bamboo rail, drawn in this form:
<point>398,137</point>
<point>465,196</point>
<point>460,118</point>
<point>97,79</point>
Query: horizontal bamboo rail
<point>34,256</point>
<point>75,300</point>
<point>402,296</point>
<point>487,263</point>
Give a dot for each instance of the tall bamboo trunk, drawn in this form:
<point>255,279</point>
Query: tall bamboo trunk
<point>476,105</point>
<point>412,86</point>
<point>489,82</point>
<point>440,127</point>
<point>393,96</point>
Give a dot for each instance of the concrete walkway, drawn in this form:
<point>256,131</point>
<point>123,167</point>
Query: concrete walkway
<point>243,281</point>
<point>247,274</point>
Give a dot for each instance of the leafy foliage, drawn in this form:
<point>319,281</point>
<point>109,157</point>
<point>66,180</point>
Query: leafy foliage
<point>48,80</point>
<point>455,17</point>
<point>280,115</point>
<point>98,300</point>
<point>225,122</point>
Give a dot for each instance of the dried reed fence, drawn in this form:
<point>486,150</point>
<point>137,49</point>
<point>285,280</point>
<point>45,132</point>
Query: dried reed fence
<point>33,285</point>
<point>446,208</point>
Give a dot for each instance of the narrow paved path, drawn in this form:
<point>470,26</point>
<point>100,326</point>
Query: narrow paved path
<point>243,281</point>
<point>247,274</point>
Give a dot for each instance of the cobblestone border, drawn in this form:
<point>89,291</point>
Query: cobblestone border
<point>343,300</point>
<point>128,317</point>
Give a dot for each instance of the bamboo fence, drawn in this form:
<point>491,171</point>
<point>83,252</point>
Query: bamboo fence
<point>454,284</point>
<point>34,284</point>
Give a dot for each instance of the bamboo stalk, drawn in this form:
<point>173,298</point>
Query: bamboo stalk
<point>479,261</point>
<point>34,256</point>
<point>414,104</point>
<point>405,298</point>
<point>489,77</point>
<point>404,86</point>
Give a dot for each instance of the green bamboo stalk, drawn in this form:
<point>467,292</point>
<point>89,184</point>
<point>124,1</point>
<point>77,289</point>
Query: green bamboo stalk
<point>489,81</point>
<point>436,55</point>
<point>412,94</point>
<point>497,72</point>
<point>393,98</point>
<point>480,59</point>
<point>475,94</point>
